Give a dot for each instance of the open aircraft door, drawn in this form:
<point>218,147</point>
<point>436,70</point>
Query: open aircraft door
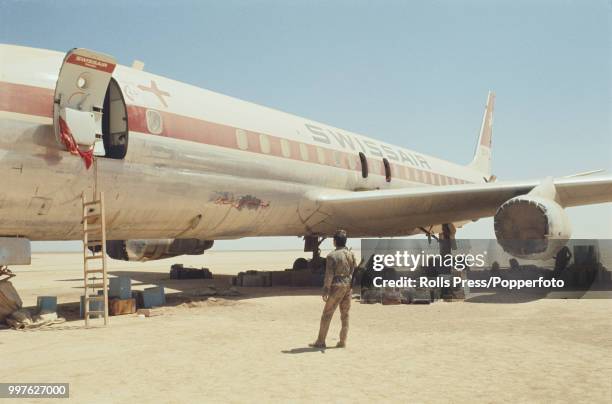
<point>79,97</point>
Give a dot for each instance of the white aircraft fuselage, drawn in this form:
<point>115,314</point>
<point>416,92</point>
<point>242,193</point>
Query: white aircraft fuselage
<point>198,164</point>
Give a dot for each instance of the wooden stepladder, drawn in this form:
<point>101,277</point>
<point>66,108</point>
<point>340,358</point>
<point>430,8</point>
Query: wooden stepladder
<point>94,263</point>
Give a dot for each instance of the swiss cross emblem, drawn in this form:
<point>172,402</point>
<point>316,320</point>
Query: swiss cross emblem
<point>155,90</point>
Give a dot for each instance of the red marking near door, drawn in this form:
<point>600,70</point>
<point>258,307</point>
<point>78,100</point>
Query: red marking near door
<point>71,145</point>
<point>91,63</point>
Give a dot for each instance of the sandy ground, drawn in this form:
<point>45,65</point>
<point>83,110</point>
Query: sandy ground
<point>254,348</point>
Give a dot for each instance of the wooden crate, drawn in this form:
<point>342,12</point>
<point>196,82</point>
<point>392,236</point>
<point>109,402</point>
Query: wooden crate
<point>117,307</point>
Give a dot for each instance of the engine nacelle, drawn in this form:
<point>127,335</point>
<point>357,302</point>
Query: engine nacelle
<point>147,250</point>
<point>532,227</point>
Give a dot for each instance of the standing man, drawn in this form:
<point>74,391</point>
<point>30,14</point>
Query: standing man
<point>339,268</point>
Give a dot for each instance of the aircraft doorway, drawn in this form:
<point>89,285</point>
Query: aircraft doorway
<point>114,123</point>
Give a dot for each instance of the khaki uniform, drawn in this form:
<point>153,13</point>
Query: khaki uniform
<point>339,268</point>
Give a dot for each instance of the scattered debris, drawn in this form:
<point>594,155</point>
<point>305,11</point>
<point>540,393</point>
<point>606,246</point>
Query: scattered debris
<point>213,291</point>
<point>117,307</point>
<point>23,319</point>
<point>230,292</point>
<point>178,271</point>
<point>289,277</point>
<point>9,299</point>
<point>254,279</point>
<point>4,271</point>
<point>148,313</point>
<point>391,297</point>
<point>208,291</point>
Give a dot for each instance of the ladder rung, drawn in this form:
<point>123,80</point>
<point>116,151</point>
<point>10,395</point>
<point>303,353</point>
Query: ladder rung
<point>94,238</point>
<point>93,269</point>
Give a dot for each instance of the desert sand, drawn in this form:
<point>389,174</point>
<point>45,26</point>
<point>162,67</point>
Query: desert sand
<point>253,348</point>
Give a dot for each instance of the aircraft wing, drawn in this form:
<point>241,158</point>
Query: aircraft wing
<point>430,206</point>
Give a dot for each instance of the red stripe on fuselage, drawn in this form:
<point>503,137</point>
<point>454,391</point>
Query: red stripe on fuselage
<point>38,101</point>
<point>24,99</point>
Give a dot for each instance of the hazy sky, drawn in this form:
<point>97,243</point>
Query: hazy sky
<point>413,73</point>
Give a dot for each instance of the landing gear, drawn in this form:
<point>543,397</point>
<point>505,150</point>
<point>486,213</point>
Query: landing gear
<point>317,263</point>
<point>447,243</point>
<point>300,263</point>
<point>446,239</point>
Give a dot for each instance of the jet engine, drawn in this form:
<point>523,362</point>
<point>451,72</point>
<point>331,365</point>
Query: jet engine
<point>148,250</point>
<point>531,227</point>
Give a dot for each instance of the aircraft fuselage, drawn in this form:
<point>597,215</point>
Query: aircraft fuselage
<point>198,164</point>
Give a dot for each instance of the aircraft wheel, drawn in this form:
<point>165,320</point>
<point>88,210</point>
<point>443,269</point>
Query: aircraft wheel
<point>300,263</point>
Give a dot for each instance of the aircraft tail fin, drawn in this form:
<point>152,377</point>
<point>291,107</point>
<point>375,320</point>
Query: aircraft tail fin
<point>482,155</point>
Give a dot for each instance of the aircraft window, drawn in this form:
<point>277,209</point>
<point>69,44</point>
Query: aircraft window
<point>242,139</point>
<point>387,170</point>
<point>154,122</point>
<point>364,165</point>
<point>264,143</point>
<point>337,158</point>
<point>304,151</point>
<point>285,148</point>
<point>321,155</point>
